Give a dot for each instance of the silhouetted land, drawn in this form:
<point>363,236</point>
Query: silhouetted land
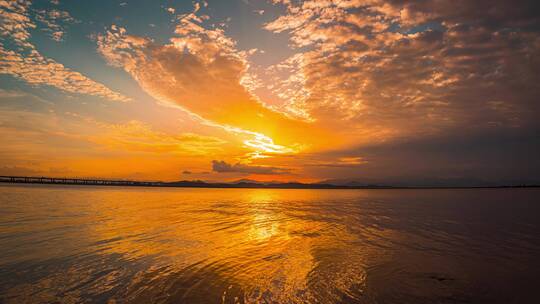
<point>203,184</point>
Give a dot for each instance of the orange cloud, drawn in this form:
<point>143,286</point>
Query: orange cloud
<point>201,71</point>
<point>135,136</point>
<point>83,146</point>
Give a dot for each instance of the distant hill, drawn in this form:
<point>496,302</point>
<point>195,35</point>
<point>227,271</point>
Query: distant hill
<point>252,181</point>
<point>258,184</point>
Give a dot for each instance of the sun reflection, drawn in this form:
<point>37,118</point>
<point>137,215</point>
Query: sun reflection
<point>265,223</point>
<point>258,240</point>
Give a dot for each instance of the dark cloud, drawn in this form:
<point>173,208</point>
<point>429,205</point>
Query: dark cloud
<point>494,14</point>
<point>491,157</point>
<point>224,167</point>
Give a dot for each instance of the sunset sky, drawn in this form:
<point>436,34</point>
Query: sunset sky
<point>379,91</point>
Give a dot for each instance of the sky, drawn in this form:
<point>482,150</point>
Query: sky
<point>375,91</point>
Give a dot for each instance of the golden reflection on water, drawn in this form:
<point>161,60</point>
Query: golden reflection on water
<point>253,239</point>
<point>195,245</point>
<point>145,245</point>
<point>264,224</point>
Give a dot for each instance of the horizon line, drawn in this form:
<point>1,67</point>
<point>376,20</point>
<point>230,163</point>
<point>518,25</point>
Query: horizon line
<point>238,184</point>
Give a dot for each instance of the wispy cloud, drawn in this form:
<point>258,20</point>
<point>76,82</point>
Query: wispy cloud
<point>136,136</point>
<point>90,147</point>
<point>53,21</point>
<point>25,62</point>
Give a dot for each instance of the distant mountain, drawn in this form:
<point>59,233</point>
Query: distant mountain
<point>246,183</point>
<point>252,181</point>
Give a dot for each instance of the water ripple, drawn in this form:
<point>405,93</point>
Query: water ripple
<point>138,245</point>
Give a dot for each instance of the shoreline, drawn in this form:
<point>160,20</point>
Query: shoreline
<point>241,185</point>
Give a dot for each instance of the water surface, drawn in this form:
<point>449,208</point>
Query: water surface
<point>68,244</point>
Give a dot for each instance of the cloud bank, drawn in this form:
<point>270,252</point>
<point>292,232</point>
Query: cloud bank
<point>410,68</point>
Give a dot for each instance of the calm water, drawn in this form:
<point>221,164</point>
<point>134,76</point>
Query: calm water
<point>157,245</point>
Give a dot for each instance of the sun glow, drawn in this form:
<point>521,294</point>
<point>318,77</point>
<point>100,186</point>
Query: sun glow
<point>265,144</point>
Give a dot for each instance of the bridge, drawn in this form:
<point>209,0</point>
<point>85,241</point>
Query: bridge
<point>75,181</point>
